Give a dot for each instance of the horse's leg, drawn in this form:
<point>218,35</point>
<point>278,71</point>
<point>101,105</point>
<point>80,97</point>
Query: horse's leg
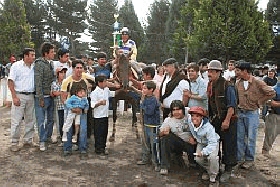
<point>114,105</point>
<point>133,101</point>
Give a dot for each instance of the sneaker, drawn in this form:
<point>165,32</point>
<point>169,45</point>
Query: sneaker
<point>205,176</point>
<point>225,176</point>
<point>213,184</point>
<point>64,137</point>
<point>75,147</point>
<point>164,172</point>
<point>105,152</point>
<point>42,146</point>
<point>157,168</point>
<point>141,162</point>
<point>29,145</point>
<point>67,153</point>
<point>50,140</point>
<point>15,148</point>
<point>265,153</point>
<point>212,178</point>
<point>75,139</point>
<point>83,152</point>
<point>248,165</point>
<point>60,144</point>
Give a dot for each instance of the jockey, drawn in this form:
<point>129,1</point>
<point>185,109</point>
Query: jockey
<point>127,45</point>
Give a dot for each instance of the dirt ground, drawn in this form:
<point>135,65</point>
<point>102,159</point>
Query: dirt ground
<point>30,167</point>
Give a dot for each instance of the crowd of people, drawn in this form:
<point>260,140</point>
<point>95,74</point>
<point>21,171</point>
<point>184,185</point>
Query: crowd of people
<point>210,115</point>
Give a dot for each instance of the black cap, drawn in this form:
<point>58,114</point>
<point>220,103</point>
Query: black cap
<point>241,64</point>
<point>169,61</point>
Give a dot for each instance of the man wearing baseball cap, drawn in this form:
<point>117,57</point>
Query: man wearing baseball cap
<point>126,45</point>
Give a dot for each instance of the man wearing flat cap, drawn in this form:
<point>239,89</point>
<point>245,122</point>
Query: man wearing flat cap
<point>251,94</point>
<point>173,87</point>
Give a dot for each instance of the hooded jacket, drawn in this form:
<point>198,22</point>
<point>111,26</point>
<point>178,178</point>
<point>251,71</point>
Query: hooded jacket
<point>205,135</point>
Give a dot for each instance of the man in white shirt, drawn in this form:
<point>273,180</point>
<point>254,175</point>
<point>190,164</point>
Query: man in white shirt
<point>229,74</point>
<point>203,68</point>
<point>173,87</point>
<point>63,58</point>
<point>21,84</point>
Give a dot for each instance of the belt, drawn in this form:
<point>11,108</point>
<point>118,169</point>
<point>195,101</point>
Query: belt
<point>244,110</point>
<point>26,93</point>
<point>151,126</point>
<point>273,112</point>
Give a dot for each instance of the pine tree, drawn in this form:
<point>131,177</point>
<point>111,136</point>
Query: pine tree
<point>14,32</point>
<point>227,29</point>
<point>128,18</point>
<point>155,32</point>
<point>273,17</point>
<point>67,18</point>
<point>101,22</point>
<point>35,16</point>
<point>175,48</point>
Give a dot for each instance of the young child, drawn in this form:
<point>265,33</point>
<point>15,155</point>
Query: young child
<point>100,106</point>
<point>55,92</point>
<point>79,100</point>
<point>151,119</point>
<point>207,141</point>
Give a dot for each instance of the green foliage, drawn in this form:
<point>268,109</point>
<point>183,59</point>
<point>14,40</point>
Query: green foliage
<point>155,32</point>
<point>226,29</point>
<point>273,18</point>
<point>14,32</point>
<point>35,16</point>
<point>67,18</point>
<point>174,47</point>
<point>101,22</point>
<point>128,18</point>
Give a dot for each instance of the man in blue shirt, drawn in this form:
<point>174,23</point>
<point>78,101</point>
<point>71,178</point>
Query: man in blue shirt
<point>103,67</point>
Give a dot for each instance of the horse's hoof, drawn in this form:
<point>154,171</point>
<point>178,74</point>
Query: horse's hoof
<point>111,139</point>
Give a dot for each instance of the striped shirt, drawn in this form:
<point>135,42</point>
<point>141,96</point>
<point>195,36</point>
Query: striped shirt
<point>130,45</point>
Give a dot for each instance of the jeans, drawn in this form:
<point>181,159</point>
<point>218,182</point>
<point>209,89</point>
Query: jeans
<point>45,128</point>
<point>247,129</point>
<point>67,146</point>
<point>149,147</point>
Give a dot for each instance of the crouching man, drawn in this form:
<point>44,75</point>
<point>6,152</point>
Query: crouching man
<point>207,141</point>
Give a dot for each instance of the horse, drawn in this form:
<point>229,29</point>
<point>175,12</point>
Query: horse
<point>123,70</point>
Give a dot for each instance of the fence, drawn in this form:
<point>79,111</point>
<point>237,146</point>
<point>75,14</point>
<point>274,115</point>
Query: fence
<point>5,94</point>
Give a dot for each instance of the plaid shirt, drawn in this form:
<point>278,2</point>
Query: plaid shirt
<point>256,94</point>
<point>56,87</point>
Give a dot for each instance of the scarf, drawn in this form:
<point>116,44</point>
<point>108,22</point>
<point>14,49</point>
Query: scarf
<point>171,85</point>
